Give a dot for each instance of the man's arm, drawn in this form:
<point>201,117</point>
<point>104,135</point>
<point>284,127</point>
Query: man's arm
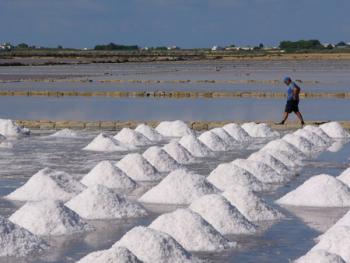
<point>296,91</point>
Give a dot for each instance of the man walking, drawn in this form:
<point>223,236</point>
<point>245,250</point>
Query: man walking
<point>292,101</point>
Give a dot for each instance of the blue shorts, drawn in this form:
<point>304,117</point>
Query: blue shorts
<point>292,106</point>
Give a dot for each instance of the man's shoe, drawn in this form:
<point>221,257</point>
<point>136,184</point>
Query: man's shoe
<point>280,123</point>
<point>302,124</point>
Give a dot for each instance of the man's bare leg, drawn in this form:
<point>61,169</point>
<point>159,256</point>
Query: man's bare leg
<point>300,117</point>
<point>285,117</point>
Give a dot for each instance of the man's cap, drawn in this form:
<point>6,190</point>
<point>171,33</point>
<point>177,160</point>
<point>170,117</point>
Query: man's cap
<point>287,79</point>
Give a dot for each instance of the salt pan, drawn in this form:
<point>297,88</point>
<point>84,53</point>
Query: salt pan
<point>65,133</point>
<point>213,141</point>
<point>130,137</point>
<point>173,129</point>
<point>160,159</point>
<point>112,255</point>
<point>312,137</point>
<point>333,130</point>
<point>179,153</point>
<point>301,143</point>
<point>320,256</point>
<point>195,146</point>
<point>9,128</point>
<point>237,132</point>
<point>149,133</point>
<point>105,143</point>
<point>259,130</point>
<point>345,177</point>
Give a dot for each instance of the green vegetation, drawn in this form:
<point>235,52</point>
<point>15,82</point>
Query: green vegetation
<point>301,45</point>
<point>112,46</point>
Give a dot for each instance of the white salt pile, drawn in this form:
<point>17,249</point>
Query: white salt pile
<point>345,177</point>
<point>149,133</point>
<point>47,184</point>
<point>179,187</point>
<point>237,132</point>
<point>260,130</point>
<point>49,217</point>
<point>173,129</point>
<point>225,136</point>
<point>271,161</point>
<point>226,175</point>
<point>191,231</point>
<point>282,145</point>
<point>160,159</point>
<point>320,256</point>
<point>178,152</point>
<point>301,143</point>
<point>105,143</point>
<point>105,173</point>
<point>16,241</point>
<point>138,168</point>
<point>130,137</point>
<point>112,255</point>
<point>6,145</point>
<point>312,137</point>
<point>151,246</point>
<point>319,191</point>
<point>344,221</point>
<point>195,146</point>
<point>289,159</point>
<point>65,133</point>
<point>100,202</point>
<point>250,205</point>
<point>2,138</point>
<point>213,141</point>
<point>333,130</point>
<point>9,128</point>
<point>223,216</point>
<point>318,131</point>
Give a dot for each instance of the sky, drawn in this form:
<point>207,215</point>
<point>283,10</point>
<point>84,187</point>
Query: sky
<point>185,23</point>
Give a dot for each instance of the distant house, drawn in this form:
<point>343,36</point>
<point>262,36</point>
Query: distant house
<point>6,47</point>
<point>173,48</point>
<point>216,48</point>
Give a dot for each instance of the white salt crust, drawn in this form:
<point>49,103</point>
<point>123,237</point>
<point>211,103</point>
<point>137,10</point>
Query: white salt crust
<point>320,256</point>
<point>173,129</point>
<point>160,159</point>
<point>312,137</point>
<point>334,130</point>
<point>226,137</point>
<point>319,132</point>
<point>130,137</point>
<point>237,132</point>
<point>301,143</point>
<point>195,146</point>
<point>282,145</point>
<point>271,161</point>
<point>345,177</point>
<point>112,255</point>
<point>179,153</point>
<point>106,143</point>
<point>9,128</point>
<point>214,142</point>
<point>65,133</point>
<point>259,130</point>
<point>149,133</point>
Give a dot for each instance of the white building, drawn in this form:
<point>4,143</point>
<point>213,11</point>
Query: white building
<point>216,48</point>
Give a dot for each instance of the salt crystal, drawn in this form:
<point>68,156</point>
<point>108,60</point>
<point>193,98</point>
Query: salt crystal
<point>237,132</point>
<point>345,177</point>
<point>318,131</point>
<point>225,136</point>
<point>160,159</point>
<point>130,137</point>
<point>178,152</point>
<point>105,143</point>
<point>282,145</point>
<point>259,130</point>
<point>195,146</point>
<point>333,130</point>
<point>320,256</point>
<point>301,143</point>
<point>173,129</point>
<point>213,141</point>
<point>65,133</point>
<point>149,133</point>
<point>112,255</point>
<point>312,137</point>
<point>9,128</point>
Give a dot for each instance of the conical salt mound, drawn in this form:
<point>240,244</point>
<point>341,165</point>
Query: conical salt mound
<point>271,161</point>
<point>195,146</point>
<point>225,136</point>
<point>16,241</point>
<point>105,173</point>
<point>100,202</point>
<point>259,130</point>
<point>237,132</point>
<point>312,137</point>
<point>333,130</point>
<point>65,133</point>
<point>173,129</point>
<point>105,143</point>
<point>130,137</point>
<point>250,205</point>
<point>9,128</point>
<point>318,131</point>
<point>179,153</point>
<point>226,175</point>
<point>319,191</point>
<point>48,218</point>
<point>213,141</point>
<point>160,159</point>
<point>289,159</point>
<point>47,184</point>
<point>320,256</point>
<point>138,168</point>
<point>282,145</point>
<point>345,177</point>
<point>224,217</point>
<point>179,187</point>
<point>151,246</point>
<point>112,255</point>
<point>149,133</point>
<point>344,221</point>
<point>301,143</point>
<point>191,231</point>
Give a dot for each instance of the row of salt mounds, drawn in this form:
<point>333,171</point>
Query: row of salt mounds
<point>151,246</point>
<point>105,173</point>
<point>195,146</point>
<point>214,142</point>
<point>65,133</point>
<point>334,130</point>
<point>191,231</point>
<point>250,205</point>
<point>105,143</point>
<point>317,130</point>
<point>179,187</point>
<point>149,133</point>
<point>225,136</point>
<point>345,177</point>
<point>224,217</point>
<point>319,191</point>
<point>130,137</point>
<point>320,256</point>
<point>9,128</point>
<point>312,137</point>
<point>17,241</point>
<point>49,218</point>
<point>284,146</point>
<point>138,168</point>
<point>237,132</point>
<point>173,129</point>
<point>179,153</point>
<point>259,130</point>
<point>226,175</point>
<point>112,255</point>
<point>301,143</point>
<point>100,202</point>
<point>47,184</point>
<point>160,159</point>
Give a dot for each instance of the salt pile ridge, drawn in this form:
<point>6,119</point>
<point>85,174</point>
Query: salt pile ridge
<point>301,143</point>
<point>319,191</point>
<point>290,160</point>
<point>191,231</point>
<point>9,128</point>
<point>179,187</point>
<point>237,132</point>
<point>225,136</point>
<point>173,129</point>
<point>195,146</point>
<point>320,256</point>
<point>47,184</point>
<point>333,130</point>
<point>49,218</point>
<point>100,202</point>
<point>112,255</point>
<point>250,205</point>
<point>259,130</point>
<point>105,173</point>
<point>179,153</point>
<point>318,131</point>
<point>17,241</point>
<point>226,175</point>
<point>149,133</point>
<point>344,221</point>
<point>152,246</point>
<point>271,161</point>
<point>105,143</point>
<point>312,137</point>
<point>282,145</point>
<point>224,217</point>
<point>138,168</point>
<point>65,133</point>
<point>160,159</point>
<point>345,177</point>
<point>213,141</point>
<point>130,137</point>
